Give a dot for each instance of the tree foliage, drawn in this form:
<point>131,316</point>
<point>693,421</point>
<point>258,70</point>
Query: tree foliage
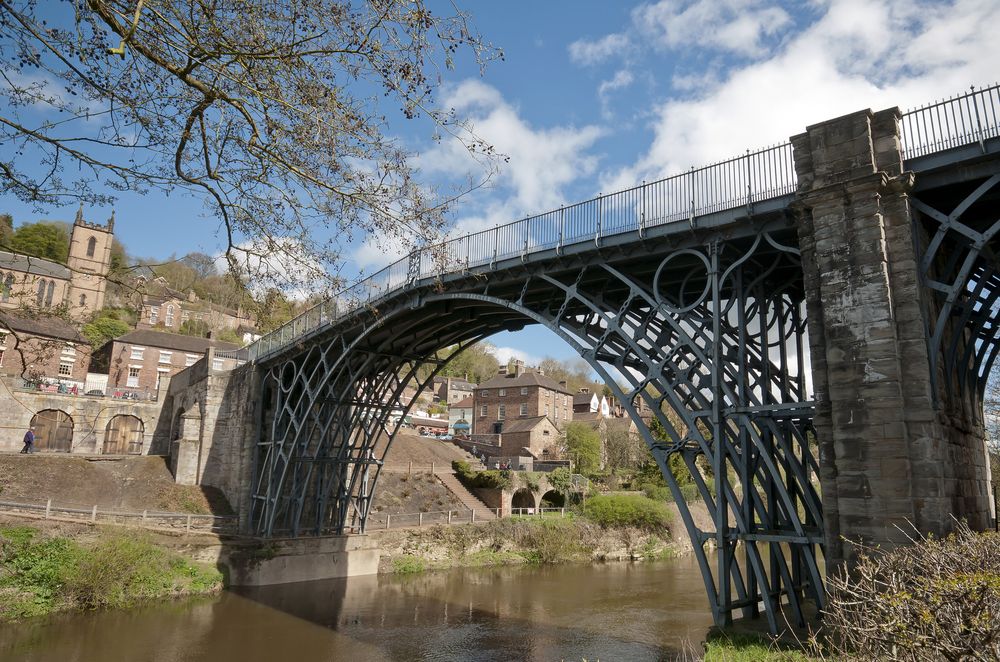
<point>103,329</point>
<point>583,444</point>
<point>44,239</point>
<point>6,230</point>
<point>277,114</point>
<point>575,372</point>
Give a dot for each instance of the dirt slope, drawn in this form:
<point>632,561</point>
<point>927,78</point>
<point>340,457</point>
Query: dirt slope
<point>132,484</point>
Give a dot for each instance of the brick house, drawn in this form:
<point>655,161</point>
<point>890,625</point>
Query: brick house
<point>51,347</point>
<point>450,390</point>
<point>140,358</point>
<point>168,309</point>
<point>536,436</point>
<point>519,393</point>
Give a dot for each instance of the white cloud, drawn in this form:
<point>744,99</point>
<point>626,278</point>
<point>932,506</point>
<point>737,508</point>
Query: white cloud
<point>505,354</point>
<point>587,52</point>
<point>859,54</point>
<point>283,263</point>
<point>619,81</point>
<point>740,26</point>
<point>541,160</point>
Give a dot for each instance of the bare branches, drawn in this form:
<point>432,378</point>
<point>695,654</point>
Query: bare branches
<point>276,113</point>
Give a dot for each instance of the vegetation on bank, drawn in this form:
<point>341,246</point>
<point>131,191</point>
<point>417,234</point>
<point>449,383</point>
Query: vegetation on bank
<point>40,574</point>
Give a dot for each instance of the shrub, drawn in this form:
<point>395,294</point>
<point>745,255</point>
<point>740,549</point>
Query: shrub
<point>621,510</point>
<point>492,479</point>
<point>936,599</point>
<point>656,492</point>
<point>407,565</point>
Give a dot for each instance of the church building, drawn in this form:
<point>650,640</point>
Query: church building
<point>80,284</point>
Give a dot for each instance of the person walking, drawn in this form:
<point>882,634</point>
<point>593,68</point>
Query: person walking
<point>29,440</point>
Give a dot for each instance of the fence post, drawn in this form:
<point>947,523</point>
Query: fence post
<point>48,508</point>
<point>409,468</point>
<point>387,518</point>
<point>144,517</point>
<point>93,514</point>
<point>420,519</point>
<point>188,527</point>
<point>597,235</point>
<point>473,515</point>
<point>432,468</point>
<point>562,512</point>
<point>449,517</point>
<point>498,513</point>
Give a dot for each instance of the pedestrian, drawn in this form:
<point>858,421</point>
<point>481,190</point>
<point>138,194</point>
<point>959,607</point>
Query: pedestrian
<point>29,440</point>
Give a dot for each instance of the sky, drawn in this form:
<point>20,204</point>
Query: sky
<point>595,96</point>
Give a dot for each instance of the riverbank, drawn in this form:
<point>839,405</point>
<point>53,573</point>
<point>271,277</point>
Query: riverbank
<point>46,569</point>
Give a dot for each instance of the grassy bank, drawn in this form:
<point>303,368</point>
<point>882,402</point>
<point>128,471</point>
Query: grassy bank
<point>521,540</point>
<point>42,573</point>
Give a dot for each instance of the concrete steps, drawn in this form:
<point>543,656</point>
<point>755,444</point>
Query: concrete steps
<point>468,499</point>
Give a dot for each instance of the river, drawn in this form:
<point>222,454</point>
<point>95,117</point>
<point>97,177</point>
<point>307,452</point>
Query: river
<point>619,611</point>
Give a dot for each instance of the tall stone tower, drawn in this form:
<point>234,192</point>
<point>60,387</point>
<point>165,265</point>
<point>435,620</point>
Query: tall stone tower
<point>89,263</point>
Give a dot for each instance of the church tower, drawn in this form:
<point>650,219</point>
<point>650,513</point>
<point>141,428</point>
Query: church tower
<point>89,263</point>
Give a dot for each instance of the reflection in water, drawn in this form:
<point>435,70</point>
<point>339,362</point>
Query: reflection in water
<point>647,611</point>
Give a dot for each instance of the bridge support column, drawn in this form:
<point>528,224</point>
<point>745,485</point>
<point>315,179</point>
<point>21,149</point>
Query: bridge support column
<point>893,455</point>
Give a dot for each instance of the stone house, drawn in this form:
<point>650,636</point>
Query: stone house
<point>79,285</point>
<point>168,309</point>
<point>450,390</point>
<point>139,359</point>
<point>585,401</point>
<point>537,436</point>
<point>519,393</point>
<point>51,347</point>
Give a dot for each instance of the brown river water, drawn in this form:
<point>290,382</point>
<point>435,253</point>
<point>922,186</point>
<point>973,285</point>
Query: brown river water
<point>620,611</point>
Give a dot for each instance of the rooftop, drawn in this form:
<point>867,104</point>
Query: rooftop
<point>194,344</point>
<point>464,403</point>
<point>48,327</point>
<point>525,424</point>
<point>511,380</point>
<point>32,265</point>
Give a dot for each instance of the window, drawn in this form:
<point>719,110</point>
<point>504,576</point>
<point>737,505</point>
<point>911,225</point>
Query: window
<point>91,246</point>
<point>502,392</point>
<point>65,369</point>
<point>133,376</point>
<point>524,390</point>
<point>501,411</point>
<point>169,318</point>
<point>185,316</point>
<point>216,364</point>
<point>137,353</point>
<point>1,357</point>
<point>52,290</point>
<point>40,296</point>
<point>166,357</point>
<point>190,359</point>
<point>83,299</point>
<point>524,409</point>
<point>484,393</point>
<point>154,314</point>
<point>483,411</point>
<point>160,374</point>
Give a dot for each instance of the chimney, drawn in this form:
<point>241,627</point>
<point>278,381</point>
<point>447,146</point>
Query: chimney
<point>562,382</point>
<point>502,370</point>
<point>583,389</point>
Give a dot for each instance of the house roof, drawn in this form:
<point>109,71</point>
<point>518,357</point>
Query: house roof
<point>583,398</point>
<point>48,327</point>
<point>33,265</point>
<point>148,338</point>
<point>525,424</point>
<point>524,379</point>
<point>464,403</point>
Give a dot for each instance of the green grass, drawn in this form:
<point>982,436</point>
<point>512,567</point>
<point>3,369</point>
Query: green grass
<point>41,574</point>
<point>620,510</point>
<point>408,565</point>
<point>724,647</point>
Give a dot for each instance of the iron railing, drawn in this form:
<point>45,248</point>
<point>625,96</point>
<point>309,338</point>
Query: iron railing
<point>973,117</point>
<point>730,184</point>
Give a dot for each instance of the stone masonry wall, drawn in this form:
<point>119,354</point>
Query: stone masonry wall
<point>889,460</point>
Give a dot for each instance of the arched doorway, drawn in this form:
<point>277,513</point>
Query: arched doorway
<point>123,435</point>
<point>53,430</point>
<point>553,499</point>
<point>523,499</point>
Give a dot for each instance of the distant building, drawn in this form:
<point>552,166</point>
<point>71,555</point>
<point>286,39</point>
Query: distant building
<point>169,309</point>
<point>450,390</point>
<point>585,401</point>
<point>79,285</point>
<point>519,393</point>
<point>460,416</point>
<point>141,358</point>
<point>536,436</point>
<point>50,347</point>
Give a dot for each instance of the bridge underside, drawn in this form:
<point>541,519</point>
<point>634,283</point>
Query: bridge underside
<point>709,330</point>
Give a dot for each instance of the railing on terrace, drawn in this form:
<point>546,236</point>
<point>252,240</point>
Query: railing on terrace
<point>737,182</point>
<point>150,519</point>
<point>57,387</point>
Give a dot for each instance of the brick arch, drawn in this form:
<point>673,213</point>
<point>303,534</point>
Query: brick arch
<point>53,430</point>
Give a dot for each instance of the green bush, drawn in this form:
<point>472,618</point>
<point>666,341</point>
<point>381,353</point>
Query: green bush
<point>620,510</point>
<point>492,479</point>
<point>407,565</point>
<point>656,492</point>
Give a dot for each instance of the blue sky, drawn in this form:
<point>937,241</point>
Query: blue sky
<point>594,96</point>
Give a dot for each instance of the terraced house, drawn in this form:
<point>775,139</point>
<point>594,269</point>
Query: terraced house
<point>519,393</point>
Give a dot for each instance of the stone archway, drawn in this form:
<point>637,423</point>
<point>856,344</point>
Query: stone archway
<point>523,498</point>
<point>123,435</point>
<point>553,499</point>
<point>53,430</point>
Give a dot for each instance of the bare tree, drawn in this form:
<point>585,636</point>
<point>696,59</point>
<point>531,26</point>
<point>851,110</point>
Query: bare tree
<point>276,113</point>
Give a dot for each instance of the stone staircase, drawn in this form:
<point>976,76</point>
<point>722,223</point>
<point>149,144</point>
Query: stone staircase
<point>468,499</point>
